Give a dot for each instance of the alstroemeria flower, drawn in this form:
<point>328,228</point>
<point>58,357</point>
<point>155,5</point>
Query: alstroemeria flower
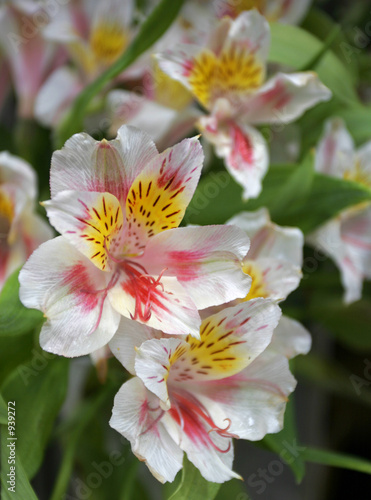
<point>31,59</point>
<point>21,230</point>
<point>118,205</point>
<point>228,77</point>
<point>195,395</point>
<point>285,11</point>
<point>275,256</point>
<point>94,34</point>
<point>346,238</point>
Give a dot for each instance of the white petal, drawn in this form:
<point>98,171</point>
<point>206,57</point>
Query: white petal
<point>290,338</point>
<point>206,260</point>
<point>335,152</point>
<point>56,96</point>
<point>84,164</point>
<point>284,98</point>
<point>290,12</point>
<point>69,290</point>
<point>269,239</point>
<point>134,415</point>
<point>17,172</point>
<point>129,336</point>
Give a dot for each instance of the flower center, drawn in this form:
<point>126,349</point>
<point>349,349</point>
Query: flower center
<point>358,174</point>
<point>6,214</point>
<point>257,286</point>
<point>235,71</point>
<point>108,41</point>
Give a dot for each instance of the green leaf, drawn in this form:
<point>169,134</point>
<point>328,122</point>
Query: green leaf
<point>151,30</point>
<point>193,485</point>
<point>15,319</point>
<point>296,47</point>
<point>38,389</point>
<point>335,459</point>
<point>285,443</point>
<point>218,198</point>
<point>3,411</point>
<point>13,352</point>
<point>23,488</point>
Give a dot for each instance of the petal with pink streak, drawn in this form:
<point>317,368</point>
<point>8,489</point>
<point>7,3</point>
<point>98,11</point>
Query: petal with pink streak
<point>137,416</point>
<point>71,292</point>
<point>157,301</point>
<point>269,239</point>
<point>284,98</point>
<point>91,222</point>
<point>206,261</point>
<point>335,152</point>
<point>254,400</point>
<point>84,164</point>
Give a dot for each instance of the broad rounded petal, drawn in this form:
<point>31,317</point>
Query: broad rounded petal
<point>290,338</point>
<point>206,260</point>
<point>335,152</point>
<point>71,292</point>
<point>356,234</point>
<point>159,302</point>
<point>268,239</point>
<point>230,340</point>
<point>91,222</point>
<point>273,278</point>
<point>129,336</point>
<point>17,172</point>
<point>284,98</point>
<point>56,95</point>
<point>242,147</point>
<point>136,415</point>
<point>84,164</point>
<point>161,192</point>
<point>254,400</point>
<point>250,32</point>
<point>153,362</point>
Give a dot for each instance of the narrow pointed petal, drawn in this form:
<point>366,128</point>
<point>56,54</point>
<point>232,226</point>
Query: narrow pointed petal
<point>71,292</point>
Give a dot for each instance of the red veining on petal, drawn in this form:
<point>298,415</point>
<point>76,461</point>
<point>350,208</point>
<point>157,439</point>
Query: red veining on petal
<point>78,281</point>
<point>192,416</point>
<point>242,149</point>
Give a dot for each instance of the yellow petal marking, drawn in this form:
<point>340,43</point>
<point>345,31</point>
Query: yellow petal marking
<point>217,354</point>
<point>108,40</point>
<point>101,229</point>
<point>235,71</point>
<point>169,92</point>
<point>257,285</point>
<point>6,215</point>
<point>358,174</point>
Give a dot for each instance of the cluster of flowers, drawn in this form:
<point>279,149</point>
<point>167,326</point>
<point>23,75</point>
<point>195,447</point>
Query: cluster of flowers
<point>191,312</point>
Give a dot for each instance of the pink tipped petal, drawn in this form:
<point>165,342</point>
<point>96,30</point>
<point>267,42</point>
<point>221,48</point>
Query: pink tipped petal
<point>137,416</point>
<point>178,62</point>
<point>153,363</point>
<point>206,260</point>
<point>290,338</point>
<point>92,222</point>
<point>156,301</point>
<point>71,292</point>
<point>84,164</point>
<point>335,152</point>
<point>284,98</point>
<point>130,335</point>
<point>288,11</point>
<point>268,239</point>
